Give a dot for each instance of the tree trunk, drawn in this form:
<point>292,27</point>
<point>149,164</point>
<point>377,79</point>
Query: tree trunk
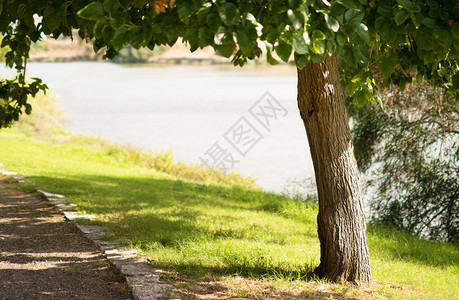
<point>341,219</point>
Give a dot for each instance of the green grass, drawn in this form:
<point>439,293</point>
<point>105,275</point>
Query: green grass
<point>209,231</point>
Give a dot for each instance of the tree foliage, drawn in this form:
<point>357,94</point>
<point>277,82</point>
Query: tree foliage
<point>409,150</point>
<point>131,55</point>
<point>392,36</point>
<point>394,39</point>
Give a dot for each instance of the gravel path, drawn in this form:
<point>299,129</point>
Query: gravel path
<point>42,256</point>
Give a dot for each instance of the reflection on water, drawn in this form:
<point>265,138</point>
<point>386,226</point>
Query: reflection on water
<point>186,108</point>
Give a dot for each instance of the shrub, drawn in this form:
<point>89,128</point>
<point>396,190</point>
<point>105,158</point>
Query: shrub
<point>409,153</point>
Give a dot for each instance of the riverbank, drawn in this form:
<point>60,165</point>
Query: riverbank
<point>66,50</point>
<point>187,109</point>
<point>215,240</point>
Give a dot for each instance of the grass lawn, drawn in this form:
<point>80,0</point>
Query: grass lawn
<point>217,240</point>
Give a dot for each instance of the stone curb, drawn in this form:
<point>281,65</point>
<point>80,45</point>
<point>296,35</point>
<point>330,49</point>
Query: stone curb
<point>143,279</point>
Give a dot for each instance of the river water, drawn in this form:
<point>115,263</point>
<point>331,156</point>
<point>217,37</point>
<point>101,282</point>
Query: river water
<point>194,110</point>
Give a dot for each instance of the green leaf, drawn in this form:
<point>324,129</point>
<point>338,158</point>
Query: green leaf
<point>109,5</point>
<point>301,60</point>
<point>251,19</point>
<point>426,43</point>
<point>442,35</point>
<point>202,14</point>
<point>332,23</point>
<point>305,12</point>
<point>417,19</point>
<point>444,16</point>
<point>348,3</point>
<point>389,33</point>
<point>330,46</point>
<point>119,18</point>
<point>229,14</point>
<point>320,47</point>
<point>362,32</point>
<point>456,44</point>
<point>400,17</point>
<point>350,14</point>
<point>317,58</point>
<point>314,46</point>
<point>271,35</point>
<point>386,65</point>
<point>185,9</point>
<point>299,44</point>
<point>99,28</point>
<point>385,10</point>
<point>406,4</point>
<point>293,19</point>
<point>348,55</point>
<point>341,38</point>
<point>455,81</point>
<point>4,21</point>
<point>455,30</point>
<point>121,38</point>
<point>245,7</point>
<point>269,57</point>
<point>348,29</point>
<point>380,22</point>
<point>93,11</point>
<point>354,16</point>
<point>294,3</point>
<point>214,23</point>
<point>28,108</point>
<point>51,19</point>
<point>242,39</point>
<point>284,51</point>
<point>226,50</point>
<point>360,98</point>
<point>139,3</point>
<point>318,35</point>
<point>146,33</point>
<point>108,34</point>
<point>425,39</point>
<point>429,22</point>
<point>205,37</point>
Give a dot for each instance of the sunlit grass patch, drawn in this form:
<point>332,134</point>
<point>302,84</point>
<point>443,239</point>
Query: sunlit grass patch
<point>247,243</point>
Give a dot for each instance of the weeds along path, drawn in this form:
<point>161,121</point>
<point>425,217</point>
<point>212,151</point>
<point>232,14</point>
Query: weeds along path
<point>42,256</point>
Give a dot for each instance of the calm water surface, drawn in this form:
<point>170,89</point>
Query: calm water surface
<point>185,108</point>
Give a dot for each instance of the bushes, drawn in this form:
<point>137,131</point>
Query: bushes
<point>410,155</point>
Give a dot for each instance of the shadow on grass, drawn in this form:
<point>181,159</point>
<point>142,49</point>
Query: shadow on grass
<point>153,213</point>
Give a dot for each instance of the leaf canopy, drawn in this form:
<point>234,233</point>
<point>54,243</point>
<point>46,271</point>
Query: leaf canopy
<point>396,38</point>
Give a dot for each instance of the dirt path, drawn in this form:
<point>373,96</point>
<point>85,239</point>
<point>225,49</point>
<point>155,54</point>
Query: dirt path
<point>42,256</point>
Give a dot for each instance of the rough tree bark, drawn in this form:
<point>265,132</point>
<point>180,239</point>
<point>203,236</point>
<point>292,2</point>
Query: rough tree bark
<point>341,218</point>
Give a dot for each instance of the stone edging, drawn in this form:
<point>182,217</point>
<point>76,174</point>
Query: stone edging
<point>143,279</point>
